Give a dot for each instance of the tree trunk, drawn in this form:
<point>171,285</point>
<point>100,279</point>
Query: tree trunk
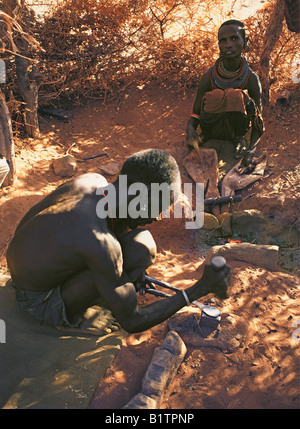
<point>29,91</point>
<point>29,85</point>
<point>7,141</point>
<point>10,5</point>
<point>271,37</point>
<point>292,15</point>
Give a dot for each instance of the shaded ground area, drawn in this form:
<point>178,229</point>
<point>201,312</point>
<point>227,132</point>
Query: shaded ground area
<point>260,317</point>
<point>43,367</point>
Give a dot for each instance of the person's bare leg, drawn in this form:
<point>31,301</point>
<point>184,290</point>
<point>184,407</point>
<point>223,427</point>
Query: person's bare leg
<point>139,253</point>
<point>79,292</point>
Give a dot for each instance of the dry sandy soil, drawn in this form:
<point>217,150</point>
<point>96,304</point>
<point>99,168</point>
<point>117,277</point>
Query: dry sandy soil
<point>261,316</point>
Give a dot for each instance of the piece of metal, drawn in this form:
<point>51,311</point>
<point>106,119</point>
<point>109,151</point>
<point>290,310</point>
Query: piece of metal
<point>166,285</point>
<point>211,311</point>
<point>210,317</point>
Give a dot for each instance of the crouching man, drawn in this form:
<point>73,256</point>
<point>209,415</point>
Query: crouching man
<point>64,257</point>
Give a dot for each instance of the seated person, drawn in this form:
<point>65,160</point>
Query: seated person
<point>65,255</point>
<point>228,100</point>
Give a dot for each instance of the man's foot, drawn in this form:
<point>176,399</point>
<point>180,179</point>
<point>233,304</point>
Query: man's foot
<point>95,321</point>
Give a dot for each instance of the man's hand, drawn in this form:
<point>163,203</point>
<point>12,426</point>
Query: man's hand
<point>217,282</point>
<point>247,159</point>
<point>241,146</point>
<point>192,138</point>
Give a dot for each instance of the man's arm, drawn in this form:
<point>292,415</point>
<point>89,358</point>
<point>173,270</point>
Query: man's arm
<point>193,122</point>
<point>255,92</point>
<point>157,312</point>
<point>121,298</point>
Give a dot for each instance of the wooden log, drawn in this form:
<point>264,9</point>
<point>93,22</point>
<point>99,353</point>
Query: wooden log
<point>165,362</point>
<point>271,37</point>
<point>29,91</point>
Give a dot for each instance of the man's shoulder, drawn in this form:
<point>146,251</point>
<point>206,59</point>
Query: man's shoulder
<point>253,83</point>
<point>99,247</point>
<point>205,81</point>
<point>88,183</point>
<point>253,76</point>
<point>207,73</point>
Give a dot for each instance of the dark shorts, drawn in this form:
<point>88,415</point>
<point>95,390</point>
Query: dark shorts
<point>46,306</point>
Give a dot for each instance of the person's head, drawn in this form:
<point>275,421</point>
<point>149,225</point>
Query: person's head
<point>232,38</point>
<point>153,167</point>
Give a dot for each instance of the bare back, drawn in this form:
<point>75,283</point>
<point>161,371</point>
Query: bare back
<point>54,239</point>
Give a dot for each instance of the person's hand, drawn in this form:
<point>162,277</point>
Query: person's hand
<point>140,282</point>
<point>192,138</point>
<point>241,147</point>
<point>217,282</point>
<point>247,159</point>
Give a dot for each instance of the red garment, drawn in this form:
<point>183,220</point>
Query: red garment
<point>228,100</point>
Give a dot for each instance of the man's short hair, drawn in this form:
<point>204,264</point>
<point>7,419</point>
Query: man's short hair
<point>239,24</point>
<point>151,166</point>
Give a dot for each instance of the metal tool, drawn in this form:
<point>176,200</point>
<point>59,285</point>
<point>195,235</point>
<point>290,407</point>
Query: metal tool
<point>210,316</point>
<point>217,263</point>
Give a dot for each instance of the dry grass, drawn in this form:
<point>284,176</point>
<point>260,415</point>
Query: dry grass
<point>96,49</point>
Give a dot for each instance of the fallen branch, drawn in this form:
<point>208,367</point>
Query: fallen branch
<point>95,156</point>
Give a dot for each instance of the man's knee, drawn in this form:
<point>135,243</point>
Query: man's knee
<point>139,250</point>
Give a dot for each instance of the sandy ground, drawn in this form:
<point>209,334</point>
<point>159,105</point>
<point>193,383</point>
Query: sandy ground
<point>261,369</point>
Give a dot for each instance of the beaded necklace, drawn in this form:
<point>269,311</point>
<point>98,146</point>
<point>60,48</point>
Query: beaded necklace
<point>223,79</point>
